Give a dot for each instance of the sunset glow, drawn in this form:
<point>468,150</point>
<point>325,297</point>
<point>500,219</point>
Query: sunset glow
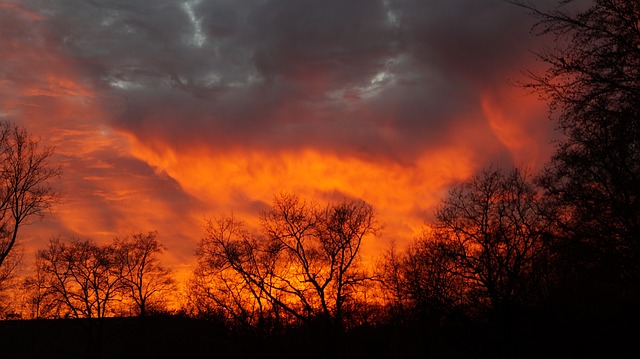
<point>163,122</point>
<point>319,178</point>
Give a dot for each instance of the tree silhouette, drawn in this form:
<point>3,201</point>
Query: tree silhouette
<point>304,267</point>
<point>83,279</point>
<point>39,293</point>
<point>478,266</point>
<point>592,84</point>
<point>25,189</point>
<point>593,88</point>
<point>492,229</point>
<point>230,274</point>
<point>321,246</point>
<point>422,280</point>
<point>143,276</point>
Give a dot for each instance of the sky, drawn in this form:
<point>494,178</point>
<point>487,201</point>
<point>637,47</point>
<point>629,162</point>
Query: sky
<point>165,113</point>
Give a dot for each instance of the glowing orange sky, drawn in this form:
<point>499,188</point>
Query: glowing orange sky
<point>119,179</point>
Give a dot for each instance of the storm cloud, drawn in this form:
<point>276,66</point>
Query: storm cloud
<point>213,105</point>
<point>375,78</point>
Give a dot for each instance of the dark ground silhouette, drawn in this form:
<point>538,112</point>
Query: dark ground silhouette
<point>538,334</point>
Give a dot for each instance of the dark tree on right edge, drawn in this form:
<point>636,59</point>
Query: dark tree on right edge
<point>592,84</point>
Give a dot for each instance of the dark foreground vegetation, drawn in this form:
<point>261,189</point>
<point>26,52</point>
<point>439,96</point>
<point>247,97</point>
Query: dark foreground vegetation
<point>540,334</point>
<point>515,265</point>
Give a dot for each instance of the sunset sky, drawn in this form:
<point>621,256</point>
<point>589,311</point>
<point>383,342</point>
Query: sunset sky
<point>165,113</point>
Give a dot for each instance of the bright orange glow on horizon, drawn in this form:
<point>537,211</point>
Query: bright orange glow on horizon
<point>245,182</point>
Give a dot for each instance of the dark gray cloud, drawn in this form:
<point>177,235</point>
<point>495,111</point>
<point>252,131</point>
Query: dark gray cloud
<point>470,41</point>
<point>385,78</point>
<point>398,99</point>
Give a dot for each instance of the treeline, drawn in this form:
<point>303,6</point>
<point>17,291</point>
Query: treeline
<point>497,274</point>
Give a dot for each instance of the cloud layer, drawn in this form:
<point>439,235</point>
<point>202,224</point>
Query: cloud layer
<point>167,111</point>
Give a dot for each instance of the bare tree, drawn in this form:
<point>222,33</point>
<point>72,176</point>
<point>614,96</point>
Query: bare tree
<point>389,272</point>
<point>143,276</point>
<point>83,279</point>
<point>592,84</point>
<point>233,274</point>
<point>304,267</point>
<point>493,231</point>
<point>341,230</point>
<point>421,280</point>
<point>39,294</point>
<point>320,249</point>
<point>25,189</point>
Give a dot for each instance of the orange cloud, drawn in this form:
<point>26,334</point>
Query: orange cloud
<point>104,191</point>
<point>56,85</point>
<point>117,182</point>
<point>517,121</point>
<point>245,181</point>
